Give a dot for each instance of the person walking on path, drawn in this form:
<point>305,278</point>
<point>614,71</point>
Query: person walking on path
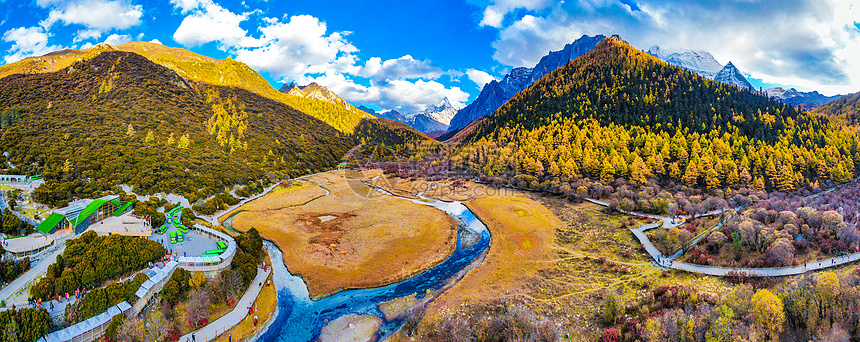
<point>193,339</point>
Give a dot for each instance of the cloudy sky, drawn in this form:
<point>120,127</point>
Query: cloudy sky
<point>410,54</point>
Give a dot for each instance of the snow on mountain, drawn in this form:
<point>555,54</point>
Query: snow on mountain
<point>443,112</point>
<point>433,119</point>
<point>700,62</point>
<point>729,74</point>
<point>426,124</point>
<point>808,100</point>
<point>496,93</point>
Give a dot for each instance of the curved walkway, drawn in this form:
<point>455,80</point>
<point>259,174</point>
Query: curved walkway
<point>37,270</point>
<point>669,262</point>
<point>212,330</point>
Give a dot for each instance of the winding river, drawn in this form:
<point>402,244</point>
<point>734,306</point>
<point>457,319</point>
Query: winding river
<point>301,319</point>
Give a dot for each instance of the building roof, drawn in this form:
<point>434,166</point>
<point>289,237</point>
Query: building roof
<point>122,207</point>
<point>78,211</point>
<point>48,224</point>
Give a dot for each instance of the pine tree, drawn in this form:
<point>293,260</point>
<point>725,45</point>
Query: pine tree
<point>184,142</point>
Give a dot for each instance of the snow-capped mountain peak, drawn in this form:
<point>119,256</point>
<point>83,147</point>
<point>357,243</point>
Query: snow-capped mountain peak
<point>807,100</point>
<point>700,62</point>
<point>443,112</point>
<point>729,74</point>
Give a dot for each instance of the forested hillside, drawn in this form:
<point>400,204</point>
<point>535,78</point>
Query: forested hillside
<point>202,69</point>
<point>846,108</point>
<point>617,112</point>
<point>119,118</point>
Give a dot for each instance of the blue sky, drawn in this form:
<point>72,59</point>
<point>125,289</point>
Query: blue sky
<point>410,54</point>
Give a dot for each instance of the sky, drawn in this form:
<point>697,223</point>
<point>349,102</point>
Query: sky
<point>407,55</point>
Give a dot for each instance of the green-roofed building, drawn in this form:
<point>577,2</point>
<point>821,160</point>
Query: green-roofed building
<point>79,214</point>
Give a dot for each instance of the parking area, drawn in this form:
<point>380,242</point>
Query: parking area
<point>193,244</point>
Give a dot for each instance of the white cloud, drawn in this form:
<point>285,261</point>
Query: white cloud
<point>117,39</point>
<point>409,97</point>
<point>415,96</point>
<point>209,22</point>
<point>27,42</point>
<point>87,34</point>
<point>156,41</point>
<point>404,67</point>
<point>101,15</point>
<point>300,48</point>
<point>479,77</point>
<point>494,14</point>
<point>805,43</point>
<point>188,5</point>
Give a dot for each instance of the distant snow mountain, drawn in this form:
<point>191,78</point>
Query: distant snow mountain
<point>704,64</point>
<point>496,93</point>
<point>442,113</point>
<point>731,75</point>
<point>700,62</point>
<point>807,100</point>
<point>433,119</point>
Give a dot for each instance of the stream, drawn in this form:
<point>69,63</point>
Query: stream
<point>300,318</point>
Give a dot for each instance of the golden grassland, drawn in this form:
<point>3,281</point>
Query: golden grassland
<point>521,246</point>
<point>558,258</point>
<point>281,197</point>
<point>373,240</point>
<point>444,190</point>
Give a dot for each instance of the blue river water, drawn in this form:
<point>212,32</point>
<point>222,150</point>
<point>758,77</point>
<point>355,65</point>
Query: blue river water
<point>301,319</point>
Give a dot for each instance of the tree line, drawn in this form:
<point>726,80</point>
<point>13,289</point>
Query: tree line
<point>90,260</point>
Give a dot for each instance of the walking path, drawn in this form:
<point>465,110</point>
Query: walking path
<point>669,262</point>
<point>215,218</point>
<point>40,268</point>
<point>228,321</point>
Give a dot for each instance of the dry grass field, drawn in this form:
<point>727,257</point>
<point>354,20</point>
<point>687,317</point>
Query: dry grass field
<point>558,259</point>
<point>280,197</point>
<point>522,246</point>
<point>444,190</point>
<point>353,238</point>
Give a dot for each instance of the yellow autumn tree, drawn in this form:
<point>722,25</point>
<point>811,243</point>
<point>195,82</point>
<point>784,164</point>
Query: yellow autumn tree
<point>769,314</point>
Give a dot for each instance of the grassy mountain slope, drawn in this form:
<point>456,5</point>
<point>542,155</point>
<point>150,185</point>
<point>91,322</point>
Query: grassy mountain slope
<point>198,68</point>
<point>120,118</point>
<point>617,112</point>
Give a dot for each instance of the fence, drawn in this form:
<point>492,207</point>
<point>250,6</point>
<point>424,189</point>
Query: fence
<point>213,263</point>
<point>90,330</point>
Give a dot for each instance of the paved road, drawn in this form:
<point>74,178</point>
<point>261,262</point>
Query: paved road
<point>30,275</point>
<point>669,262</point>
<point>228,321</point>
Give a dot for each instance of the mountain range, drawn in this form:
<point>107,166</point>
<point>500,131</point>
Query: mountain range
<point>122,115</point>
<point>806,100</point>
<point>567,125</point>
<point>198,68</point>
<point>702,63</point>
<point>494,94</point>
<point>434,120</point>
